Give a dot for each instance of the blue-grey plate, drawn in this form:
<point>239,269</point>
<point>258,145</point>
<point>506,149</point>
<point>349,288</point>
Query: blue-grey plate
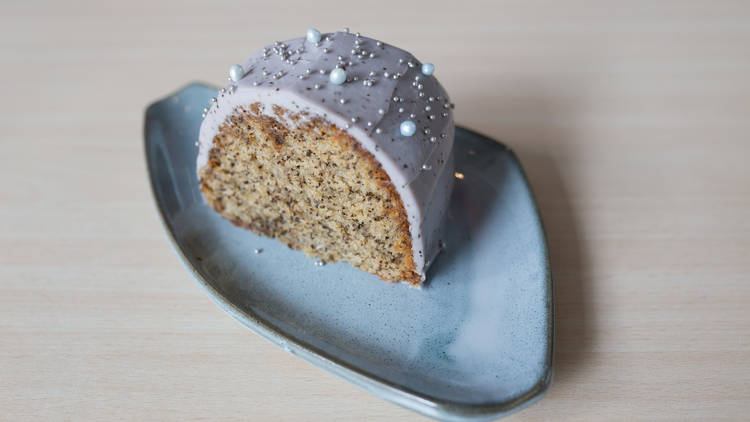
<point>474,344</point>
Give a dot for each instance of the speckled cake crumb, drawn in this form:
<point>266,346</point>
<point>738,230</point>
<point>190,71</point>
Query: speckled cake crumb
<point>313,188</point>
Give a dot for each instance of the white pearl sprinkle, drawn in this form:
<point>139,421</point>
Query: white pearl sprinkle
<point>342,101</point>
<point>354,119</point>
<point>400,109</point>
<point>255,83</point>
<point>427,108</point>
<point>338,76</point>
<point>412,115</point>
<point>428,69</point>
<point>347,125</point>
<point>407,128</point>
<point>421,94</point>
<point>378,130</point>
<point>322,71</point>
<point>379,44</point>
<point>381,111</point>
<point>426,167</point>
<point>395,99</point>
<point>258,250</point>
<point>213,100</point>
<point>205,110</point>
<point>313,35</point>
<point>433,139</point>
<point>369,124</point>
<point>431,99</point>
<point>236,72</point>
<point>372,55</point>
<point>316,86</point>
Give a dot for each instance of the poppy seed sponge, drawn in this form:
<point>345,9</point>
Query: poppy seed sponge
<point>337,145</point>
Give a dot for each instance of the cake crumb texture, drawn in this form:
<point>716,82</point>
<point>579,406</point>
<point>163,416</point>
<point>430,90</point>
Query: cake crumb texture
<point>310,185</point>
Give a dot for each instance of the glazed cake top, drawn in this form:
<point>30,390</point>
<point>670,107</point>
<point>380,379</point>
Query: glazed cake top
<point>379,94</point>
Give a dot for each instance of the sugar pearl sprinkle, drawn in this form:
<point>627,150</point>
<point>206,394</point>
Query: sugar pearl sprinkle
<point>408,128</point>
<point>335,82</point>
<point>338,76</point>
<point>313,35</point>
<point>236,73</point>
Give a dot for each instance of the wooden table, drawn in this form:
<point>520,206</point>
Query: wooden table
<point>631,118</point>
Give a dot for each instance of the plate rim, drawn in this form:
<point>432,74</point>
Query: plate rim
<point>427,405</point>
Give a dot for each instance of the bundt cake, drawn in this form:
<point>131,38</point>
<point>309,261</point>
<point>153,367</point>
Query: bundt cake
<point>337,145</point>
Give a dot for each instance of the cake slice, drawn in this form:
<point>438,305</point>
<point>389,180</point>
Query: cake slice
<point>337,145</point>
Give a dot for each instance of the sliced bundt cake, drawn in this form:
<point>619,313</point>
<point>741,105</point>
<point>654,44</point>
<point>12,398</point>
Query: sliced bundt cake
<point>337,145</point>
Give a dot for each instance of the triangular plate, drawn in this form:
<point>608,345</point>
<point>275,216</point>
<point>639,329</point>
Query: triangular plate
<point>474,344</point>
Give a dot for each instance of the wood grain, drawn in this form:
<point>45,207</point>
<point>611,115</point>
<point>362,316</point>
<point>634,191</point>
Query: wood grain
<point>631,118</point>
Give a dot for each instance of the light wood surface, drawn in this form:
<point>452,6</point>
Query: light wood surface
<point>631,118</point>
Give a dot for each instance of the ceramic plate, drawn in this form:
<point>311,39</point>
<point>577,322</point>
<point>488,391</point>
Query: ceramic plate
<point>473,344</point>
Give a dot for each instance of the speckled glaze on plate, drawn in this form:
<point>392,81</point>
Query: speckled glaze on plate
<point>474,344</point>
